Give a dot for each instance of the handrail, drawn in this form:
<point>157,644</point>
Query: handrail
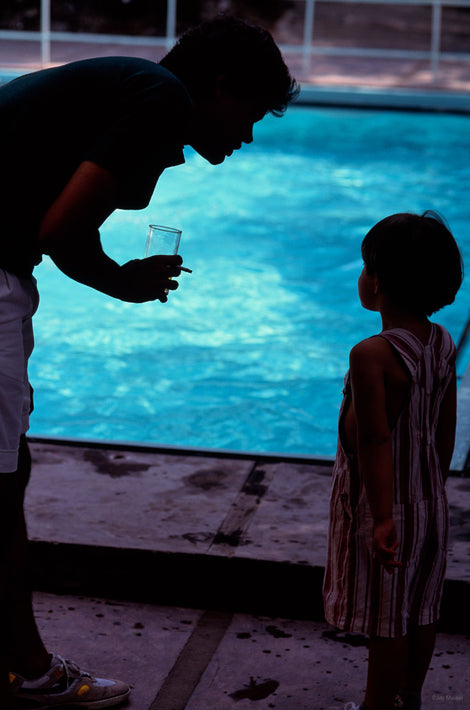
<point>307,47</point>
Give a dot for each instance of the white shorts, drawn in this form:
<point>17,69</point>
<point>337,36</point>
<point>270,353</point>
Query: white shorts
<point>19,300</point>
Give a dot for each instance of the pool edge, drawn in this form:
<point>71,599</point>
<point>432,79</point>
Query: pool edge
<point>406,99</point>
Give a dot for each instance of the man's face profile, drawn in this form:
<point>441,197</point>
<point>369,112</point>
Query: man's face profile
<point>223,124</point>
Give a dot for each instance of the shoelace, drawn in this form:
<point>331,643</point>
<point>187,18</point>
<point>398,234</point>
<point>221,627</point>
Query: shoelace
<point>72,671</point>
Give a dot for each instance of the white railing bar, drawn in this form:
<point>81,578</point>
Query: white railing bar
<point>447,3</point>
<point>455,56</point>
<point>85,38</point>
<point>21,35</point>
<point>371,52</point>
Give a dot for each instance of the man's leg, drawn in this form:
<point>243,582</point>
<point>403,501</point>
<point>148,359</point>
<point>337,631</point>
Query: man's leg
<point>387,663</point>
<point>8,519</point>
<point>22,651</point>
<point>22,648</point>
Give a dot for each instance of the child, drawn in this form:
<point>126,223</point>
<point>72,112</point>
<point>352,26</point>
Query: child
<point>388,510</point>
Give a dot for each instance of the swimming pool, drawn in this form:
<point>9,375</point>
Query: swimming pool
<point>250,353</point>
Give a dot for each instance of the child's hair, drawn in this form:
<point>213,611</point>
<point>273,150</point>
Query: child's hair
<point>245,55</point>
<point>416,260</point>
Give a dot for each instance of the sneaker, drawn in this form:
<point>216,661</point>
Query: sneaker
<point>352,706</point>
<point>65,685</point>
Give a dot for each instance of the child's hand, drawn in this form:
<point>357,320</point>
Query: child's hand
<point>385,544</point>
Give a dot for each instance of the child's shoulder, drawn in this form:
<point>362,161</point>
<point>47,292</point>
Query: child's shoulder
<point>374,363</point>
<point>373,353</point>
<point>373,346</point>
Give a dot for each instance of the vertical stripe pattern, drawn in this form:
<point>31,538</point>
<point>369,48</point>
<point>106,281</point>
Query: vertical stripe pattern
<point>358,594</point>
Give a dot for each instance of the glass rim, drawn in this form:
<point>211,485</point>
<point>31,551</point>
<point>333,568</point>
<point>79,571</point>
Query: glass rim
<point>166,229</point>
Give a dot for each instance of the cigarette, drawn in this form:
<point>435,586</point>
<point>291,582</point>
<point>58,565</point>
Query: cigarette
<point>183,268</point>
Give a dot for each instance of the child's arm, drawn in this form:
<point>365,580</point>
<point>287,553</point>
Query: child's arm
<point>369,362</point>
<point>445,435</point>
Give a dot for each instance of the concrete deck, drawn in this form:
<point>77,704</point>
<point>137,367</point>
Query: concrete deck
<point>192,659</point>
<point>197,578</point>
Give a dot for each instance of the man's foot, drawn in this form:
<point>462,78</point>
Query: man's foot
<point>65,684</point>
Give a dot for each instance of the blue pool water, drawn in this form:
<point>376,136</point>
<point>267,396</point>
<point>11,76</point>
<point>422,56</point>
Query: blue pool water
<point>250,352</point>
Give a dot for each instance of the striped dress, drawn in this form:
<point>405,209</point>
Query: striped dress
<point>359,595</point>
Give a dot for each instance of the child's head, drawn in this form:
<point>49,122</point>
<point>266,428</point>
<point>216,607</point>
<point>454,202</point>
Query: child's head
<point>416,260</point>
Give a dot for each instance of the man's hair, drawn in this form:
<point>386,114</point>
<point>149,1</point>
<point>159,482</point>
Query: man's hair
<point>245,55</point>
<point>416,260</point>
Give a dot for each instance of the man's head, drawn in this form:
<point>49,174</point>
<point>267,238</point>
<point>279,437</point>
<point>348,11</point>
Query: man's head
<point>245,55</point>
<point>235,74</point>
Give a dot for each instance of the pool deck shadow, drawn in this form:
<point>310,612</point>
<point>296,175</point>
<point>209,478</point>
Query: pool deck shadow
<point>196,529</point>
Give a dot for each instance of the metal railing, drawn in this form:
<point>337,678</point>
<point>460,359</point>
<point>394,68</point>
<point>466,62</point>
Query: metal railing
<point>306,48</point>
<point>434,55</point>
<point>46,36</point>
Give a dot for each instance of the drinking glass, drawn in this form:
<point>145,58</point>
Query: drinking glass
<point>162,240</point>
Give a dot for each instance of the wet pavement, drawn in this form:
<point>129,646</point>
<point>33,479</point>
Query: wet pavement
<point>190,659</point>
<point>196,577</point>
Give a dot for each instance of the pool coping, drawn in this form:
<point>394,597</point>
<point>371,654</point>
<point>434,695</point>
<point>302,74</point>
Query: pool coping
<point>198,451</point>
<point>460,465</point>
<point>354,96</point>
<point>405,99</point>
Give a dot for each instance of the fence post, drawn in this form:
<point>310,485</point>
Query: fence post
<point>45,32</point>
<point>308,33</point>
<point>170,23</point>
<point>436,37</point>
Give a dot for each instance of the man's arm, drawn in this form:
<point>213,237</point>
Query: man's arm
<point>69,234</point>
<point>374,441</point>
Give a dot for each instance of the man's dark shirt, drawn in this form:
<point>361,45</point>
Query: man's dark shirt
<point>128,115</point>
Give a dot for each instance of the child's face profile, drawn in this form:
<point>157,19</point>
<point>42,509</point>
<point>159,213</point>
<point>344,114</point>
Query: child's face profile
<point>368,289</point>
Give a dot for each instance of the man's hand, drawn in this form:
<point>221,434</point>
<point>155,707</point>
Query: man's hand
<point>385,544</point>
<point>150,279</point>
